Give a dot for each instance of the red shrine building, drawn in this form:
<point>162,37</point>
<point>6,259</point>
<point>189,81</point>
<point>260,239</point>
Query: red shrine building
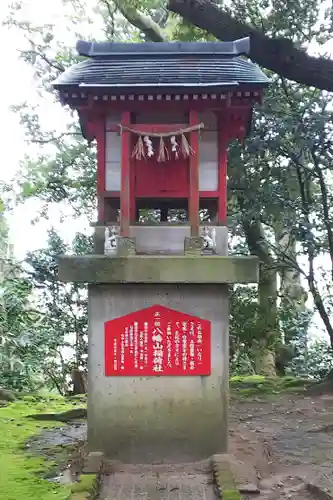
<point>162,115</point>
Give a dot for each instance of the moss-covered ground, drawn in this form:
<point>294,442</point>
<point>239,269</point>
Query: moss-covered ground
<point>21,473</point>
<point>257,385</point>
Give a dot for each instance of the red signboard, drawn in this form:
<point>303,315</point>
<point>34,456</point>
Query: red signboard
<point>157,341</point>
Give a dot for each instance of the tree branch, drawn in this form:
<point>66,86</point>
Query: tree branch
<point>56,138</point>
<point>53,64</point>
<point>39,53</point>
<point>276,54</point>
<point>139,20</point>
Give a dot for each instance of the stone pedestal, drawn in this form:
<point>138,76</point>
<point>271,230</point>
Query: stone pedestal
<point>158,419</point>
<point>149,419</point>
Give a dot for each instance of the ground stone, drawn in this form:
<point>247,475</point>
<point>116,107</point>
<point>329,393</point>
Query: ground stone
<point>133,487</point>
<point>93,462</point>
<point>187,482</point>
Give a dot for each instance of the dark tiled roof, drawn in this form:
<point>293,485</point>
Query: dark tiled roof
<point>96,49</point>
<point>176,68</point>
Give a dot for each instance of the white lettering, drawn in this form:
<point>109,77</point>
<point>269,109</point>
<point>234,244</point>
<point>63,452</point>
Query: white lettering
<point>184,352</point>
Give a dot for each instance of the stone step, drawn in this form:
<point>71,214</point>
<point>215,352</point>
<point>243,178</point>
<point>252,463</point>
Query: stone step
<point>158,486</point>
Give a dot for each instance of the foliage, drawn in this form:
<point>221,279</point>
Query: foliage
<point>20,349</point>
<point>65,310</point>
<point>43,337</point>
<point>245,334</point>
<point>62,176</point>
<point>280,183</point>
<point>316,362</point>
<point>241,361</point>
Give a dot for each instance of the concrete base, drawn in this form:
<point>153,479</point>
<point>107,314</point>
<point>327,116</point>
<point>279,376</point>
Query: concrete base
<point>158,419</point>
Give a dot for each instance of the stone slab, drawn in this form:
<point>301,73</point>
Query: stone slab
<point>226,480</point>
<point>167,486</point>
<point>158,269</point>
<point>93,462</point>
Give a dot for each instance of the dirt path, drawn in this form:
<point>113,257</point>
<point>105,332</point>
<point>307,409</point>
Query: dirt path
<point>283,446</point>
<point>280,444</point>
<point>289,438</point>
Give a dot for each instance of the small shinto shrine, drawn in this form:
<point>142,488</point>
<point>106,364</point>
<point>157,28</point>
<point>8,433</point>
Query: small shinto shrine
<point>162,115</point>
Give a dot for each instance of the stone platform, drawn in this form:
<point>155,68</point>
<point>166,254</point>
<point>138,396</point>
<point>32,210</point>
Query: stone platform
<point>158,419</point>
<point>158,269</point>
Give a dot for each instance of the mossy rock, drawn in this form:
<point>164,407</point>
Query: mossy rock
<point>231,495</point>
<point>259,385</point>
<point>35,397</point>
<point>79,398</point>
<point>6,395</point>
<point>248,381</point>
<point>224,478</point>
<point>289,381</point>
<point>85,489</point>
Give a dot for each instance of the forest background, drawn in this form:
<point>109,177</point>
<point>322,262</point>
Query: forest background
<point>280,190</point>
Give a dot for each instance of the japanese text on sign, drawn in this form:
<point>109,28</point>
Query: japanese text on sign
<point>157,341</point>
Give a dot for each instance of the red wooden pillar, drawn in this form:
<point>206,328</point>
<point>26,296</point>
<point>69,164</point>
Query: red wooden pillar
<point>133,210</point>
<point>101,155</point>
<point>193,202</point>
<point>125,187</point>
<point>222,177</point>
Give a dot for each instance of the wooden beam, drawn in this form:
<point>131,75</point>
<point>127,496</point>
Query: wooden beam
<point>125,176</point>
<point>193,202</point>
<point>101,145</point>
<point>222,174</point>
<point>203,194</point>
<point>139,106</point>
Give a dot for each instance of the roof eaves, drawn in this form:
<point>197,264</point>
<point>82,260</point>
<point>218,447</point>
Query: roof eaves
<point>174,84</point>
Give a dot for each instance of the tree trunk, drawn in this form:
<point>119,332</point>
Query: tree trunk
<point>268,332</point>
<point>79,381</point>
<point>264,361</point>
<point>305,183</point>
<point>276,54</point>
<point>293,296</point>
